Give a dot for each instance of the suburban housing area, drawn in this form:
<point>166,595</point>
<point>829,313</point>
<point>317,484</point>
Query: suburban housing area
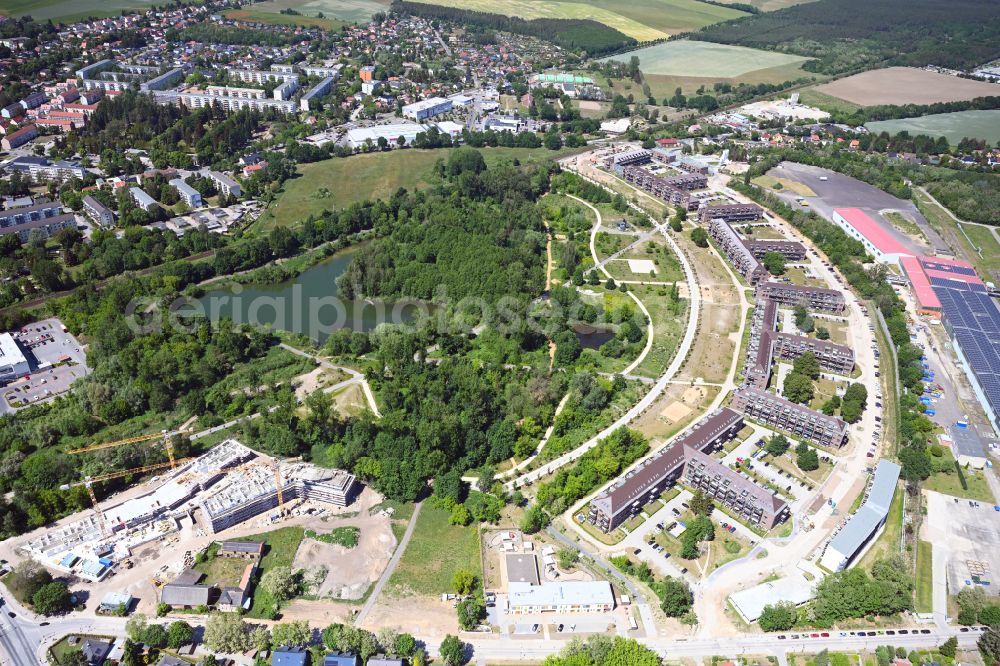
<point>409,333</point>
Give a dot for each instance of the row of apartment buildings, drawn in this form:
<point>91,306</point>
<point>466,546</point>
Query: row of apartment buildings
<point>675,190</point>
<point>746,255</point>
<point>687,457</point>
<point>44,216</point>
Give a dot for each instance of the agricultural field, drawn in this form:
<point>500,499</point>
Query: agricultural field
<point>689,64</point>
<point>905,85</point>
<point>271,18</point>
<point>769,5</point>
<point>705,59</point>
<point>952,126</point>
<point>643,20</point>
<point>70,10</point>
<point>339,182</point>
<point>819,100</point>
<point>350,11</point>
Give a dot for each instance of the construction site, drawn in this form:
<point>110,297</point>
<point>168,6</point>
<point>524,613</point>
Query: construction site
<point>227,486</point>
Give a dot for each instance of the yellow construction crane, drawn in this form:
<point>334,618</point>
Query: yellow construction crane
<point>165,435</point>
<point>276,467</point>
<point>91,480</point>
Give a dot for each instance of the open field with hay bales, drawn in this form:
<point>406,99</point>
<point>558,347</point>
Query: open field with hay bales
<point>952,126</point>
<point>644,20</point>
<point>906,85</point>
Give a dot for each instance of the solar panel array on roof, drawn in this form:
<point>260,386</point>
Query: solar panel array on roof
<point>974,320</point>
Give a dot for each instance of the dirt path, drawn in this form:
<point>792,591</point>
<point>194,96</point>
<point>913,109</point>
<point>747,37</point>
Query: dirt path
<point>387,573</point>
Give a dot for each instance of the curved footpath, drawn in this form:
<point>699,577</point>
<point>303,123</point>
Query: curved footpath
<point>657,389</point>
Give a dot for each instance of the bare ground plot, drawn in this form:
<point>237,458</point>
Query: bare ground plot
<point>349,571</point>
<point>677,408</point>
<point>906,85</point>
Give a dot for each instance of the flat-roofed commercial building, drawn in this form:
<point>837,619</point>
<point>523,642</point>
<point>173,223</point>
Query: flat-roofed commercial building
<point>753,503</point>
<point>967,447</point>
<point>13,362</point>
<point>427,108</point>
<point>878,241</point>
<point>739,255</point>
<point>832,357</point>
<point>814,298</point>
<point>798,420</point>
<point>854,537</point>
<point>359,136</point>
<point>564,597</point>
<point>653,476</point>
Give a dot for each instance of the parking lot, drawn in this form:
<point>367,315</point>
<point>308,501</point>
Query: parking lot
<point>969,532</point>
<point>56,360</point>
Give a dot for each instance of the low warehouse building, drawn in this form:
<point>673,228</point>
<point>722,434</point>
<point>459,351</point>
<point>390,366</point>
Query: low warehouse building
<point>860,531</point>
<point>568,597</point>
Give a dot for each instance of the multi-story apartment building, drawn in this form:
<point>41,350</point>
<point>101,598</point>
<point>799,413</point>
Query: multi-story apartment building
<point>672,189</point>
<point>649,480</point>
<point>224,183</point>
<point>628,158</point>
<point>317,91</point>
<point>163,81</point>
<point>740,256</point>
<point>798,420</point>
<point>19,138</point>
<point>814,298</point>
<point>231,91</point>
<point>98,212</point>
<point>732,213</point>
<point>755,504</point>
<point>792,250</point>
<point>832,357</point>
<point>197,100</point>
<point>261,76</point>
<point>190,195</point>
<point>142,199</point>
<point>760,350</point>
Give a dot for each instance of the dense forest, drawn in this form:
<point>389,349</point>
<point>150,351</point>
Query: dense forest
<point>852,35</point>
<point>485,239</point>
<point>581,35</point>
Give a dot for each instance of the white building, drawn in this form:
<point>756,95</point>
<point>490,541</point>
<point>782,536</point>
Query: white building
<point>286,89</point>
<point>142,200</point>
<point>565,597</point>
<point>13,363</point>
<point>878,241</point>
<point>359,136</point>
<point>197,100</point>
<point>427,108</point>
<point>224,183</point>
<point>319,90</point>
<point>190,195</point>
<point>860,531</point>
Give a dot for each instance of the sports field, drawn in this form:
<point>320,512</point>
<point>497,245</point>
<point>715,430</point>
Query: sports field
<point>906,85</point>
<point>953,126</point>
<point>641,19</point>
<point>351,11</point>
<point>70,10</point>
<point>689,58</point>
<point>271,18</point>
